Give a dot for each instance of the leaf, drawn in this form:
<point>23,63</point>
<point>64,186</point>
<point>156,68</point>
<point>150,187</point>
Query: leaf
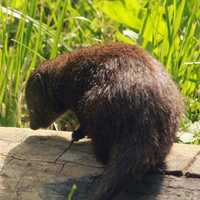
<point>178,16</point>
<point>122,13</point>
<point>186,137</point>
<point>131,34</point>
<point>123,38</point>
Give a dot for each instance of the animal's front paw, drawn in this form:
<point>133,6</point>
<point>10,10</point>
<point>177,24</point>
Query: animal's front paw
<point>77,135</point>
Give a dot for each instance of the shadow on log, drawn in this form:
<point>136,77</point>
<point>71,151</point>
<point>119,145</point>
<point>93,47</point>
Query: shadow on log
<point>30,172</point>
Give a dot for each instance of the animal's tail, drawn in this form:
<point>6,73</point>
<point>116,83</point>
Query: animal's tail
<point>129,162</point>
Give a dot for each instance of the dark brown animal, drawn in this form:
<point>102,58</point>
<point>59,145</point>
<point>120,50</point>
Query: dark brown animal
<point>123,99</point>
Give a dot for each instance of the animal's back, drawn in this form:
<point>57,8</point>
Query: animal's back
<point>133,109</point>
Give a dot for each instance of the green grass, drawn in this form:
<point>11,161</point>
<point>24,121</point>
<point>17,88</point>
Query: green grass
<point>32,31</point>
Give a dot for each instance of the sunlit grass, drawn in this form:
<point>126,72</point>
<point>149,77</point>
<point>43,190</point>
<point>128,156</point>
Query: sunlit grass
<point>32,31</point>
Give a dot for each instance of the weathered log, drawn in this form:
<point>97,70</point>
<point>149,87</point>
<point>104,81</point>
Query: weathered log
<point>28,170</point>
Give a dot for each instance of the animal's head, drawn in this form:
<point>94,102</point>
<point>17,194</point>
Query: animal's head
<point>41,110</point>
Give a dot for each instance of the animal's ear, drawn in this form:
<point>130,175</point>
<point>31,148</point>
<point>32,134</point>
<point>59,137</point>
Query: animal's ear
<point>36,83</point>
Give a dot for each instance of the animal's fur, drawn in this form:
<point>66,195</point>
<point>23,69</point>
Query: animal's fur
<point>124,100</point>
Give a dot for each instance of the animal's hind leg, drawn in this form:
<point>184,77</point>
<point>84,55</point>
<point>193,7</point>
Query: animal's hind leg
<point>128,164</point>
<point>101,148</point>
